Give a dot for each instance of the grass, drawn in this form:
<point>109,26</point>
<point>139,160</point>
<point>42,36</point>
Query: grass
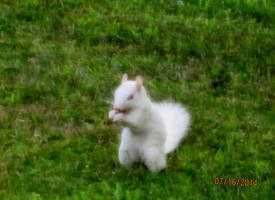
<point>61,60</point>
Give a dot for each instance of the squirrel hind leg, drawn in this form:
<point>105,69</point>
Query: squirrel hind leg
<point>154,160</point>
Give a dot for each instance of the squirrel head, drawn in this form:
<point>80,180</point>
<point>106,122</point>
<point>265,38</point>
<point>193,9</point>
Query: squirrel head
<point>130,94</point>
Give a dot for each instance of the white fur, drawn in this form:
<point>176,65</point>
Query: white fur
<point>151,130</point>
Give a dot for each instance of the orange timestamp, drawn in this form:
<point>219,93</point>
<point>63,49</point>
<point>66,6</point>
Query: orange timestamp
<point>236,181</point>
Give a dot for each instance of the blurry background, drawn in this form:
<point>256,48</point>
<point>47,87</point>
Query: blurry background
<point>60,60</point>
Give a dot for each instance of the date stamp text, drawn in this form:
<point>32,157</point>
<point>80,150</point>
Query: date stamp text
<point>236,181</point>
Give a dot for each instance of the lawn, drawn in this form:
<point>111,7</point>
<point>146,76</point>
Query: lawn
<point>60,61</point>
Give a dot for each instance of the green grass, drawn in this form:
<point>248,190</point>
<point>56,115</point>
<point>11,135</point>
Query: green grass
<point>60,61</point>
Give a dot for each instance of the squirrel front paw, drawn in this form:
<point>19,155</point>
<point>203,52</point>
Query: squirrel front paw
<point>115,115</point>
<point>112,113</point>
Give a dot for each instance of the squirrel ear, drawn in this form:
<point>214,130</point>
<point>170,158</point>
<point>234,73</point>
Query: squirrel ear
<point>124,78</point>
<point>139,81</point>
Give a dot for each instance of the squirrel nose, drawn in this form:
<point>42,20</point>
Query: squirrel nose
<point>117,106</point>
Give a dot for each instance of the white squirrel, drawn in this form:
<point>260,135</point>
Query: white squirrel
<point>150,130</point>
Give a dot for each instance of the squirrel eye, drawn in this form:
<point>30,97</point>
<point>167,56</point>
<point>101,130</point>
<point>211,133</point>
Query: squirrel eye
<point>130,97</point>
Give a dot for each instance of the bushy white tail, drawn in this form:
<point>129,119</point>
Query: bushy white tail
<point>176,120</point>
